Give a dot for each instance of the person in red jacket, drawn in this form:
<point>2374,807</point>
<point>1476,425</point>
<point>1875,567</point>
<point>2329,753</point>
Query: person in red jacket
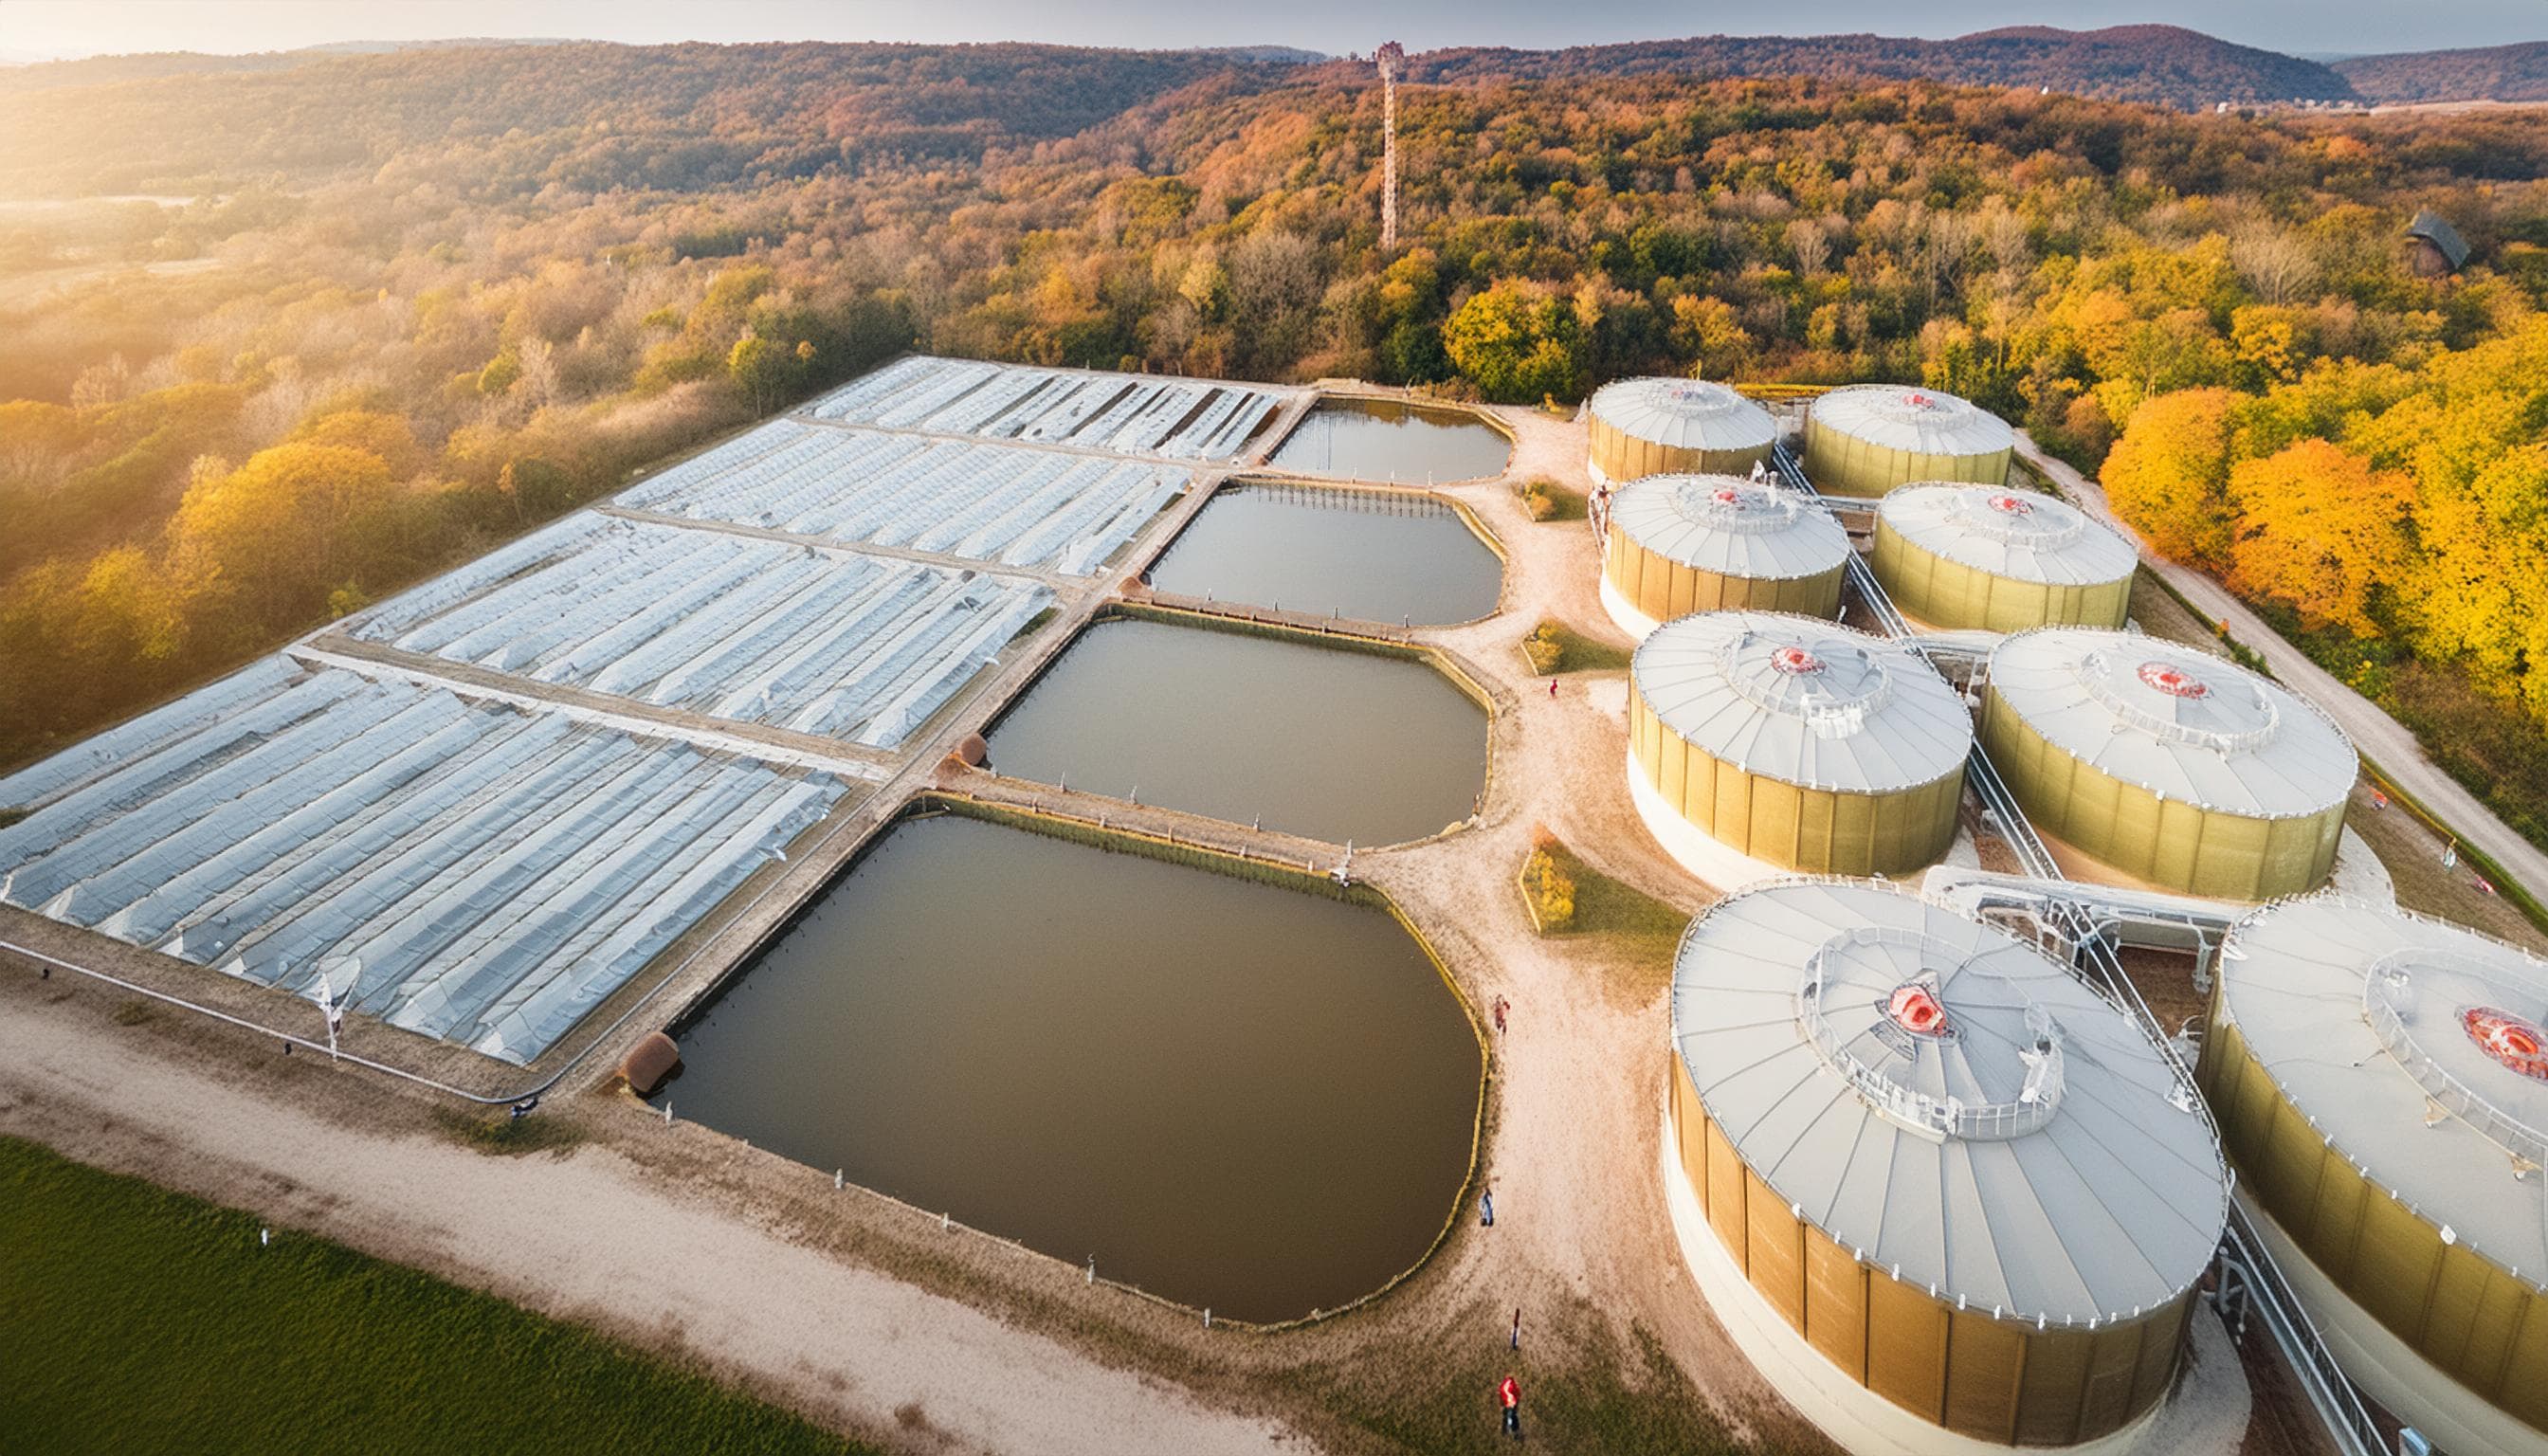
<point>1510,1394</point>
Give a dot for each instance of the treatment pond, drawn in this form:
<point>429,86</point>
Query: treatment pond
<point>1234,1094</point>
<point>1383,556</point>
<point>1330,743</point>
<point>1384,440</point>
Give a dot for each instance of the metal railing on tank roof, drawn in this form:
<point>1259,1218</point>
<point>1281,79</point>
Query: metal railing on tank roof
<point>2331,1392</point>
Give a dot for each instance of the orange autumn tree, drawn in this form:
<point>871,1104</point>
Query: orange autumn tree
<point>2319,528</point>
<point>2165,474</point>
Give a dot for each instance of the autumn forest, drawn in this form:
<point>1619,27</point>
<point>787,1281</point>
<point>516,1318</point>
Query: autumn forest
<point>279,341</point>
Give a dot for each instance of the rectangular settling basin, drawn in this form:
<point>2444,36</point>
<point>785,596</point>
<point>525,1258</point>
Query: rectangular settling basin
<point>1329,743</point>
<point>1377,554</point>
<point>1385,441</point>
<point>1230,1093</point>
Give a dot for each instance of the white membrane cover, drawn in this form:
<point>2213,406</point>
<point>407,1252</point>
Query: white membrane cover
<point>2031,1154</point>
<point>2360,1015</point>
<point>2018,534</point>
<point>1731,527</point>
<point>1803,700</point>
<point>1685,413</point>
<point>2175,720</point>
<point>1907,418</point>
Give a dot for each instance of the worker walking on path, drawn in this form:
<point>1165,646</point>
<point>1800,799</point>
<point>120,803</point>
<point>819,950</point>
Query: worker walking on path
<point>1510,1394</point>
<point>1485,1207</point>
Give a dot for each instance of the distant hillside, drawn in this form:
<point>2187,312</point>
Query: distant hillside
<point>2493,73</point>
<point>2164,65</point>
<point>95,70</point>
<point>671,115</point>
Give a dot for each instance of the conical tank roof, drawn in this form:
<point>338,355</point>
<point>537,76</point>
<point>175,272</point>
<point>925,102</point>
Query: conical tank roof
<point>1947,1102</point>
<point>1730,526</point>
<point>1803,700</point>
<point>1685,413</point>
<point>1915,421</point>
<point>2175,720</point>
<point>2415,1047</point>
<point>2023,535</point>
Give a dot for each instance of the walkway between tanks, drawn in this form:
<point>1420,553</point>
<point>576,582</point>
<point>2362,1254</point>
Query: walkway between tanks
<point>2381,739</point>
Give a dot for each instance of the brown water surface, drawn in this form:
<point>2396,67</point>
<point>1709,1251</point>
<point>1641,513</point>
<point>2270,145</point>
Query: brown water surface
<point>1384,440</point>
<point>1377,554</point>
<point>1323,742</point>
<point>1230,1093</point>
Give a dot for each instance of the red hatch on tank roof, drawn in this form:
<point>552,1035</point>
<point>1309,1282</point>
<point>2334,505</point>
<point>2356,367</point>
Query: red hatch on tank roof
<point>2515,1040</point>
<point>2176,681</point>
<point>1915,1007</point>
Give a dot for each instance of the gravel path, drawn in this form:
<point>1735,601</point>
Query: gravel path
<point>591,1236</point>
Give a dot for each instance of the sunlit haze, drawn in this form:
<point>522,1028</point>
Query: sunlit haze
<point>49,28</point>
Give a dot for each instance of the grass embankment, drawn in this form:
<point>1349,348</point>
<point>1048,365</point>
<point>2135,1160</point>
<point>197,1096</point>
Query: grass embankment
<point>1568,898</point>
<point>1554,647</point>
<point>143,1320</point>
<point>1547,501</point>
<point>1581,1391</point>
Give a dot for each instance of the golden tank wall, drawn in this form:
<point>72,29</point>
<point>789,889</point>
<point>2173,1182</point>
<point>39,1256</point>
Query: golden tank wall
<point>2173,844</point>
<point>1625,457</point>
<point>1953,596</point>
<point>1664,589</point>
<point>1991,1379</point>
<point>1842,463</point>
<point>2475,1321</point>
<point>1816,830</point>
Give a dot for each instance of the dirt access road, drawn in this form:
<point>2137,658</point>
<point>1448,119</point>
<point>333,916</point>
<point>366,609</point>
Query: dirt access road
<point>2381,738</point>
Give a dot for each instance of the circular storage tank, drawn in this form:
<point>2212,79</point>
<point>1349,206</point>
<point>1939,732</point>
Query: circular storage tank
<point>1796,741</point>
<point>2175,767</point>
<point>1968,1182</point>
<point>1867,438</point>
<point>1962,556</point>
<point>2382,1082</point>
<point>1685,543</point>
<point>1675,426</point>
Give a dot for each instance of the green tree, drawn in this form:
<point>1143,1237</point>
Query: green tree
<point>1517,343</point>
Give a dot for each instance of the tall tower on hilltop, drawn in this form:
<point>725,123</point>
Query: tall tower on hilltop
<point>1392,57</point>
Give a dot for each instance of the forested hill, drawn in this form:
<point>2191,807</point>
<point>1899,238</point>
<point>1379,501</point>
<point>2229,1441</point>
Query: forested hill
<point>2493,74</point>
<point>683,116</point>
<point>2163,65</point>
<point>282,342</point>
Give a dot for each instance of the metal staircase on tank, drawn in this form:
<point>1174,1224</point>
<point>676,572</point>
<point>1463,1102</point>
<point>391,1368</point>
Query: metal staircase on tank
<point>2250,1281</point>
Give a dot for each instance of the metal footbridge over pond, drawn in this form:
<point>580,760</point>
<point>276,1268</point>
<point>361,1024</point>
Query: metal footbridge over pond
<point>2250,1282</point>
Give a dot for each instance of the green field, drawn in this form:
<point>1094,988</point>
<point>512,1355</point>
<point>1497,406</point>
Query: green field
<point>135,1320</point>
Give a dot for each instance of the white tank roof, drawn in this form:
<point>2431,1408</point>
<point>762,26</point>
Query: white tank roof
<point>1731,526</point>
<point>2368,1019</point>
<point>1947,1102</point>
<point>1906,418</point>
<point>2022,535</point>
<point>2175,720</point>
<point>1685,413</point>
<point>1804,700</point>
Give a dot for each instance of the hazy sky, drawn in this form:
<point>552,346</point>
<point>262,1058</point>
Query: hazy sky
<point>48,28</point>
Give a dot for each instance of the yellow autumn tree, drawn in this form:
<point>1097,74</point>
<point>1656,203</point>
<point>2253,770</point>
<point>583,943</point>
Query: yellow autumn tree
<point>285,529</point>
<point>2321,529</point>
<point>374,431</point>
<point>2167,474</point>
